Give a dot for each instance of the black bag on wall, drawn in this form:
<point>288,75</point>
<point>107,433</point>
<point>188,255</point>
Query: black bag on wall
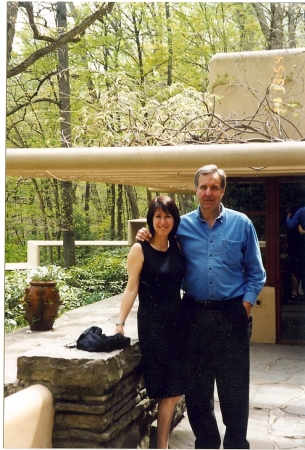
<point>93,340</point>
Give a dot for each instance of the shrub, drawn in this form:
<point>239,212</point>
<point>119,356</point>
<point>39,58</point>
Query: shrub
<point>105,275</point>
<point>101,277</point>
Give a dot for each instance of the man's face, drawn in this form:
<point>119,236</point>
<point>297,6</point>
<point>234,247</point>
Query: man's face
<point>209,192</point>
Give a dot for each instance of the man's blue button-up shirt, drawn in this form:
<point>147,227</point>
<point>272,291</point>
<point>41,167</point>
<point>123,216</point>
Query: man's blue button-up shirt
<point>224,261</point>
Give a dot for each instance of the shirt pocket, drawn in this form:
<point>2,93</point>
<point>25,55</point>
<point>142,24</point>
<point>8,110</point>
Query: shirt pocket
<point>230,252</point>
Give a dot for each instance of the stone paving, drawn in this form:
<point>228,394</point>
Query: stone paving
<point>277,401</point>
<point>277,383</point>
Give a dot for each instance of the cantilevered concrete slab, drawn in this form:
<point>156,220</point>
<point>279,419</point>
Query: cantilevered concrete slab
<point>160,168</point>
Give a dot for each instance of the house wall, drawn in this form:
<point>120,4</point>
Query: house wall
<point>269,85</point>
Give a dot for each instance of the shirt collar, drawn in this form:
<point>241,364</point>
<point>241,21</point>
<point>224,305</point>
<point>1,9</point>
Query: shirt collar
<point>219,217</point>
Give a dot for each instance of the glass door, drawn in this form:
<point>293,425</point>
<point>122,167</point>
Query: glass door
<point>250,199</point>
<point>292,298</point>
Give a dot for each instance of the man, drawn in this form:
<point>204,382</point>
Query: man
<point>224,275</point>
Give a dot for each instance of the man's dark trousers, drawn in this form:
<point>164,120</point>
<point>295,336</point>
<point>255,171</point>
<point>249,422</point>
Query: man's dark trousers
<point>216,348</point>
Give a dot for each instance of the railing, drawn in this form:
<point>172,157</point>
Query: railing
<point>33,247</point>
<point>33,255</point>
<point>33,251</point>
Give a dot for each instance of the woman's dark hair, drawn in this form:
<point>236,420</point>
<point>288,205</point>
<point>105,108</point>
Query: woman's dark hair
<point>168,206</point>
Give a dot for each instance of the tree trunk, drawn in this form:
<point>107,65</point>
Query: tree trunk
<point>44,218</point>
<point>65,127</point>
<point>87,206</point>
<point>273,33</point>
<point>182,206</point>
<point>172,196</point>
<point>169,47</point>
<point>149,197</point>
<point>133,202</point>
<point>189,202</point>
<point>185,203</point>
<point>110,209</point>
<point>12,11</point>
<point>292,23</point>
<point>112,212</point>
<point>57,231</point>
<point>120,212</point>
<point>67,223</point>
<point>136,29</point>
<point>276,27</point>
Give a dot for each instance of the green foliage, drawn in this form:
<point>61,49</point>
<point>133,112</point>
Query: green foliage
<point>50,273</point>
<point>98,276</point>
<point>103,276</point>
<point>14,252</point>
<point>121,95</point>
<point>15,284</point>
<point>137,40</point>
<point>25,221</point>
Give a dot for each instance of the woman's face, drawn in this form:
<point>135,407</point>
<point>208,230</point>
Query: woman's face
<point>163,222</point>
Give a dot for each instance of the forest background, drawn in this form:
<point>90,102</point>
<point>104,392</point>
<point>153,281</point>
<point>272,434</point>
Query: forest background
<point>114,74</point>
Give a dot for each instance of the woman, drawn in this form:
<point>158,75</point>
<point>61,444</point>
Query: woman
<point>155,270</point>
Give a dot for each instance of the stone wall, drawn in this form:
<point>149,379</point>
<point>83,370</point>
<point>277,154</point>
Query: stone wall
<point>99,398</point>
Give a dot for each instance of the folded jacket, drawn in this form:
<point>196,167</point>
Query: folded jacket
<point>93,340</point>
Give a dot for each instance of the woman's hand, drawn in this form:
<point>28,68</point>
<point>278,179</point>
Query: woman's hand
<point>119,329</point>
<point>143,234</point>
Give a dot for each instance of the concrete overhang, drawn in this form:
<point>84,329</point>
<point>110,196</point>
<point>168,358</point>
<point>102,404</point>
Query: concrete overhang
<point>160,168</point>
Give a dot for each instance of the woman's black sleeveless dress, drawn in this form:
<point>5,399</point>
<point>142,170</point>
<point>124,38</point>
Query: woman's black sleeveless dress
<point>158,316</point>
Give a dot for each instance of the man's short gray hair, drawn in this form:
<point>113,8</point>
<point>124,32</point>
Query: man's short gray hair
<point>211,168</point>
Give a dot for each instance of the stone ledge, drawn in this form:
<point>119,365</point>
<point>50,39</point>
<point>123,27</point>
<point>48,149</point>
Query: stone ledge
<point>94,372</point>
<point>67,329</point>
<point>99,398</point>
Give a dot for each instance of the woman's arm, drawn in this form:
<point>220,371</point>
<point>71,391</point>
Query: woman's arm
<point>134,266</point>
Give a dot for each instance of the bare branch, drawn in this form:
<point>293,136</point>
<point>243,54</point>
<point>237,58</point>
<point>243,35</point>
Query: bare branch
<point>29,9</point>
<point>63,39</point>
<point>30,98</point>
<point>31,102</point>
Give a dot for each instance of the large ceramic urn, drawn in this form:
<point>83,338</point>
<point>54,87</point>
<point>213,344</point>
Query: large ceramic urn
<point>41,304</point>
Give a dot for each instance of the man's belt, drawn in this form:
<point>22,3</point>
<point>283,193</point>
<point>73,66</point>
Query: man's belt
<point>211,304</point>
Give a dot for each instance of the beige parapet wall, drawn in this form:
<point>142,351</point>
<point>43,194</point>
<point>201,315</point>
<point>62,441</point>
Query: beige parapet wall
<point>29,418</point>
<point>263,313</point>
<point>268,84</point>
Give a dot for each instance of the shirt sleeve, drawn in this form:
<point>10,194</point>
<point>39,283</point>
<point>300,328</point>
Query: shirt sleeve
<point>255,274</point>
<point>302,220</point>
<point>293,221</point>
